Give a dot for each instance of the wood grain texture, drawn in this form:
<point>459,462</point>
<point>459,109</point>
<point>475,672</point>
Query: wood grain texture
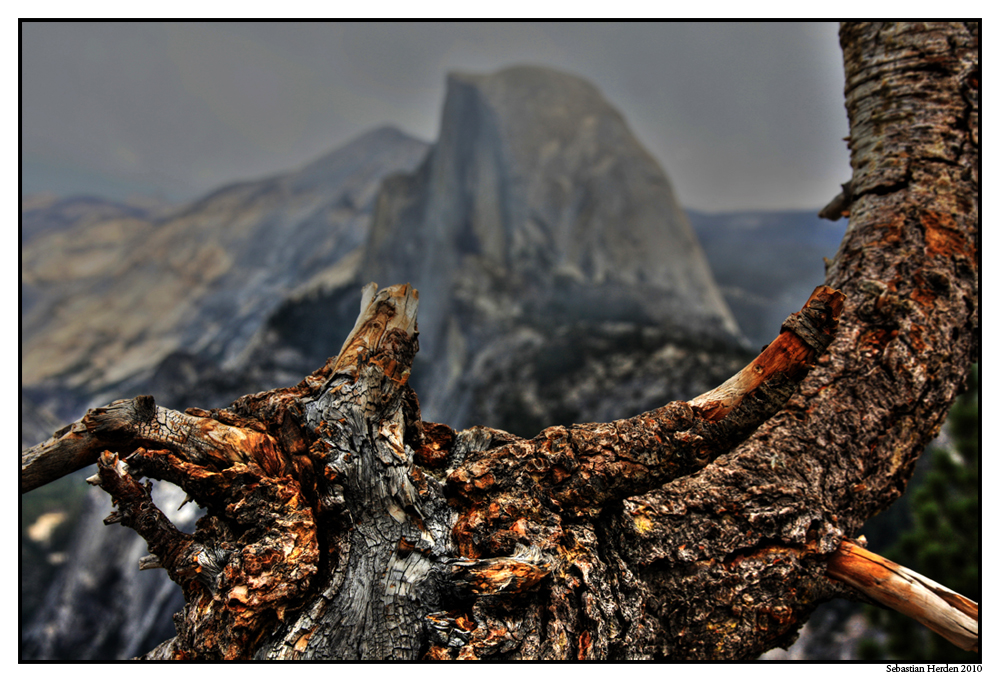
<point>951,615</point>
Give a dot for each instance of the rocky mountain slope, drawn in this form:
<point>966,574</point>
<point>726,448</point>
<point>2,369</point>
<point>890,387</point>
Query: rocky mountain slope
<point>537,208</point>
<point>109,298</point>
<point>559,281</point>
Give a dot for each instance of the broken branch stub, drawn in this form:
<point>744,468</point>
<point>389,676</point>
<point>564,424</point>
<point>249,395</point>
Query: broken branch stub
<point>804,336</point>
<point>949,614</point>
<point>140,422</point>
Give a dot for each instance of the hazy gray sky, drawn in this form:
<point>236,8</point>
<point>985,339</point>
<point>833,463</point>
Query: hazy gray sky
<point>741,116</point>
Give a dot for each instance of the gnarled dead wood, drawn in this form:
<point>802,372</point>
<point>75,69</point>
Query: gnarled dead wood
<point>242,569</point>
<point>141,422</point>
<point>579,470</point>
<point>384,520</point>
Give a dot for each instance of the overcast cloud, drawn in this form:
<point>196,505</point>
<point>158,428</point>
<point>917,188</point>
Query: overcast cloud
<point>741,116</point>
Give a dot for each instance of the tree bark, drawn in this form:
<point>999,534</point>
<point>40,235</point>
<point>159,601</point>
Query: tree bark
<point>753,530</point>
<point>339,525</point>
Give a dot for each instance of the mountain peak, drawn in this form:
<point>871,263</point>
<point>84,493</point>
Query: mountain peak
<point>537,179</point>
<point>366,155</point>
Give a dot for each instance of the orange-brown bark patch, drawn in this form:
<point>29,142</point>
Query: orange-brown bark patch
<point>923,296</point>
<point>465,623</point>
<point>463,530</point>
<point>788,354</point>
<point>942,237</point>
<point>520,527</point>
<point>437,653</point>
<point>437,442</point>
<point>888,235</point>
<point>873,341</point>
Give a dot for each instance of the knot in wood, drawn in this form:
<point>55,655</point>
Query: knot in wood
<point>145,408</point>
<point>809,324</point>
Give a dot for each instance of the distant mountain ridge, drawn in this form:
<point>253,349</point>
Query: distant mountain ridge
<point>48,215</point>
<point>105,300</point>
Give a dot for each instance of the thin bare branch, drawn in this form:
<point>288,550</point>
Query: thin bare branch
<point>954,617</point>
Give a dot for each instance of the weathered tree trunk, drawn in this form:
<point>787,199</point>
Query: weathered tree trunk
<point>738,549</point>
<point>339,525</point>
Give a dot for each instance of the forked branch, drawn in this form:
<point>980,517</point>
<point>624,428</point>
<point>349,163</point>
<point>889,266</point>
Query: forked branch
<point>579,469</point>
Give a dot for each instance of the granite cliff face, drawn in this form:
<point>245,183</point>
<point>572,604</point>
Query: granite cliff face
<point>559,281</point>
<point>537,207</point>
<point>537,184</point>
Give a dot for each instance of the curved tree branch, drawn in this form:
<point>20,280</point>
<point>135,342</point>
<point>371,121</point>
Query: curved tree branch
<point>359,475</point>
<point>846,443</point>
